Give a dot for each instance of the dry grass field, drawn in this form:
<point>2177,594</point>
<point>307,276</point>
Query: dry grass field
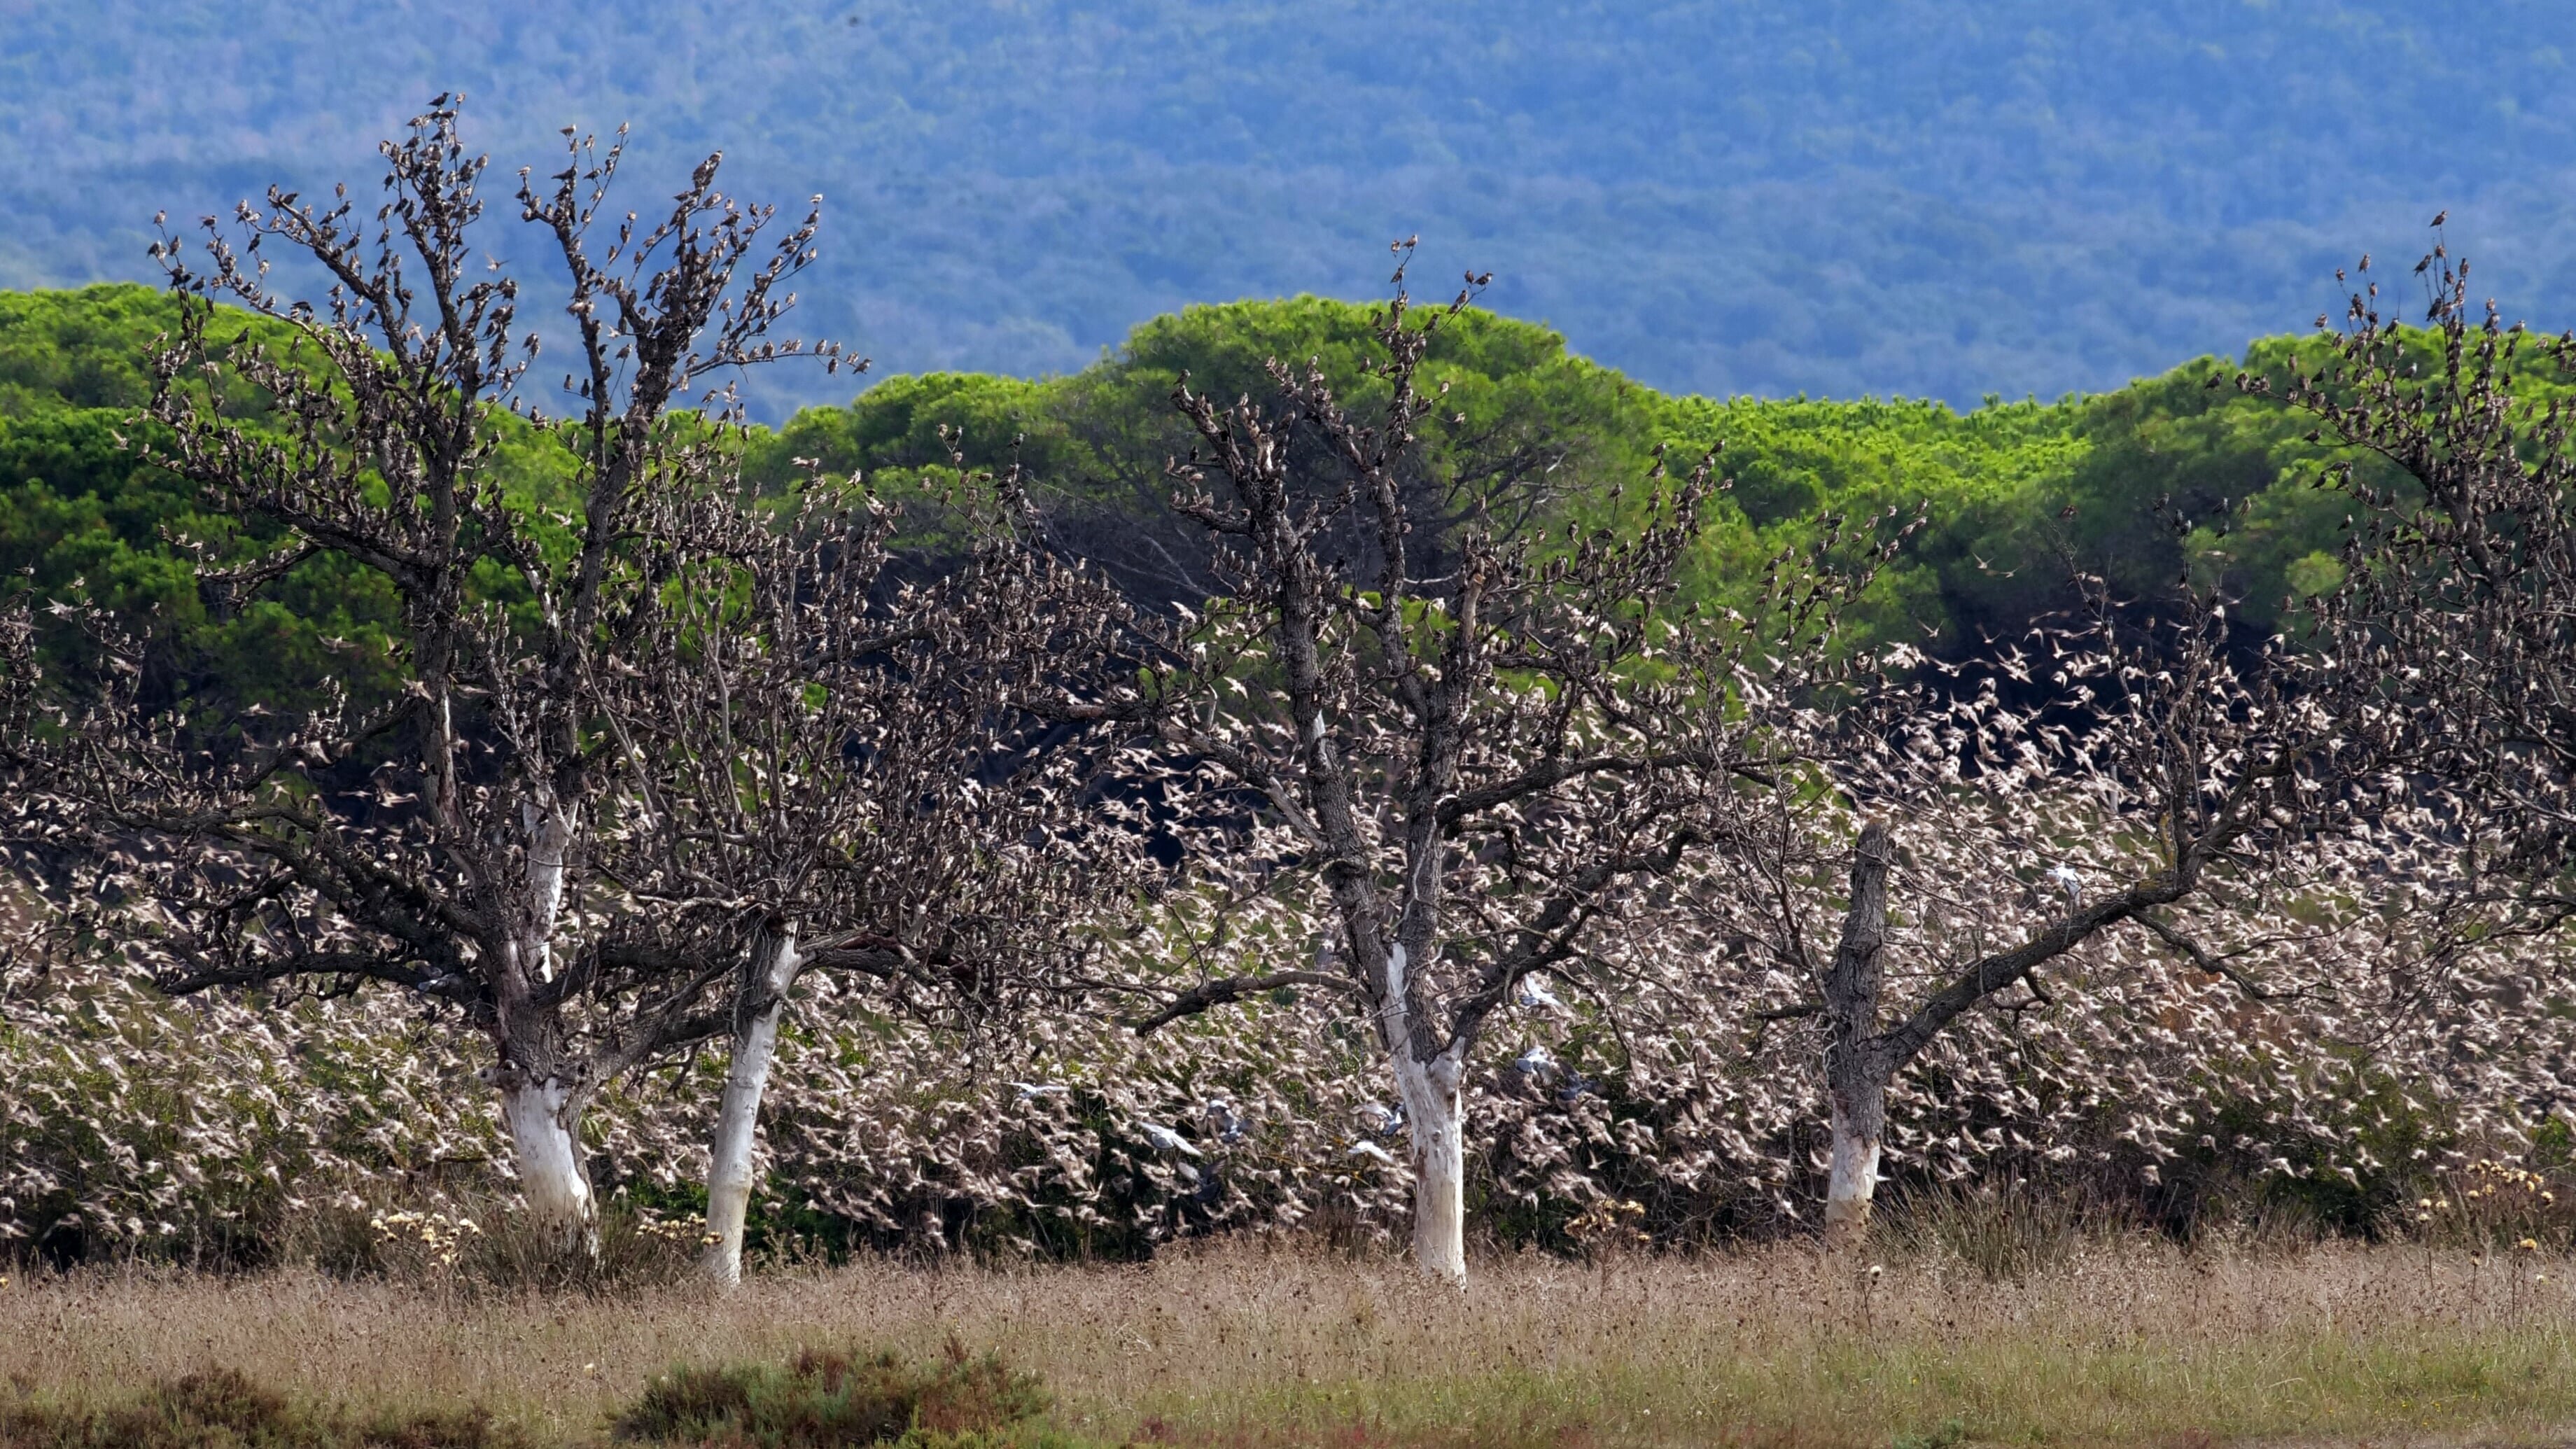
<point>2122,1341</point>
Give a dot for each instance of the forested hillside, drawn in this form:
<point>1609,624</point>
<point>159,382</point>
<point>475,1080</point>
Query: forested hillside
<point>1919,199</point>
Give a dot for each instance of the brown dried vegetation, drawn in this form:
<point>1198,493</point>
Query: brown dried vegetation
<point>2101,1338</point>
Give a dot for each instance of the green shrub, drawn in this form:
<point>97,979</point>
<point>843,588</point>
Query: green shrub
<point>826,1399</point>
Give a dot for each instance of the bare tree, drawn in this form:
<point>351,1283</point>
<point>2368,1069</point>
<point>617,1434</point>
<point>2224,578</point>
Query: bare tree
<point>831,770</point>
<point>2411,741</point>
<point>1990,828</point>
<point>457,866</point>
<point>1476,764</point>
<point>2458,601</point>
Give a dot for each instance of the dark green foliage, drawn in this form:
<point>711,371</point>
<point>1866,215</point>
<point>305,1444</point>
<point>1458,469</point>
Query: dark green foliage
<point>2554,1145</point>
<point>2163,479</point>
<point>1982,478</point>
<point>897,424</point>
<point>823,1400</point>
<point>2160,480</point>
<point>83,515</point>
<point>1525,426</point>
<point>78,350</point>
<point>222,1409</point>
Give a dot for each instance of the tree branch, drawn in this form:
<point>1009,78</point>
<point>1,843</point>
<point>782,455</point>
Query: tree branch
<point>1232,989</point>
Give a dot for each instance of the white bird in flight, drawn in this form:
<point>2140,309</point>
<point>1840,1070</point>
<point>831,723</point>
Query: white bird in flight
<point>2069,880</point>
<point>1373,1152</point>
<point>1031,1091</point>
<point>1536,996</point>
<point>1167,1139</point>
<point>1220,1112</point>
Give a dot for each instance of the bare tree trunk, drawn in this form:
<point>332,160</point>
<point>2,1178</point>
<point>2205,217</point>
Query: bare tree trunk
<point>1429,1091</point>
<point>1857,1063</point>
<point>550,829</point>
<point>546,1135</point>
<point>755,1042</point>
<point>537,1105</point>
<point>1859,1129</point>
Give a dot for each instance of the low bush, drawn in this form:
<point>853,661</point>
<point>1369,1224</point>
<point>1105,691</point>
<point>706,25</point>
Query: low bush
<point>222,1409</point>
<point>820,1400</point>
<point>824,1400</point>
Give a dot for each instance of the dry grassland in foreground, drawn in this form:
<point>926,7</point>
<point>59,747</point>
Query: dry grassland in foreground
<point>2127,1342</point>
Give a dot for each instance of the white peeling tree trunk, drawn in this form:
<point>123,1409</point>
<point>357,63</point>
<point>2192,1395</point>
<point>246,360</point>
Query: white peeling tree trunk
<point>547,1139</point>
<point>537,1105</point>
<point>1859,1130</point>
<point>550,831</point>
<point>1429,1091</point>
<point>755,1042</point>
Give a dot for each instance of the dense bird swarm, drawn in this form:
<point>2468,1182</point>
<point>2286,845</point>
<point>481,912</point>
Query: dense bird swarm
<point>215,1128</point>
<point>1447,870</point>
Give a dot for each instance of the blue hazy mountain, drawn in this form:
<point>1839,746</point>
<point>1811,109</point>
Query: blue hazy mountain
<point>1898,197</point>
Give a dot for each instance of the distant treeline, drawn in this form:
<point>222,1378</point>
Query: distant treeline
<point>2166,478</point>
